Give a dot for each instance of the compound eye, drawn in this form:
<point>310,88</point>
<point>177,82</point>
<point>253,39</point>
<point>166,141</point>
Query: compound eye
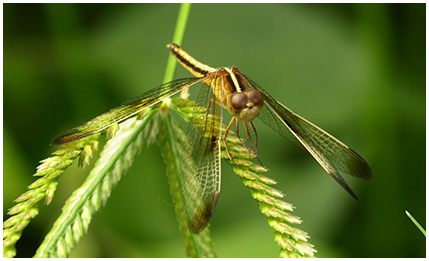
<point>256,97</point>
<point>238,101</point>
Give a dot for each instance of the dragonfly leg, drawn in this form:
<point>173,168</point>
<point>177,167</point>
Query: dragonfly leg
<point>224,138</point>
<point>256,134</point>
<point>238,136</point>
<point>255,148</point>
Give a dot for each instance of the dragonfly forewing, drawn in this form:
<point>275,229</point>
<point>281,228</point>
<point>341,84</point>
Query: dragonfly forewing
<point>334,156</point>
<point>125,110</point>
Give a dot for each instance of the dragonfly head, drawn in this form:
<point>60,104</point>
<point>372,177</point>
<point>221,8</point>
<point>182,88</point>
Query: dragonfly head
<point>246,105</point>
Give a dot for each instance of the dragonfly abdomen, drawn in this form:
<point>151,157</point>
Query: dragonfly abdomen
<point>195,67</point>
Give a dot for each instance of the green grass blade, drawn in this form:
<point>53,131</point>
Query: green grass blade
<point>416,223</point>
<point>116,157</point>
<point>49,171</point>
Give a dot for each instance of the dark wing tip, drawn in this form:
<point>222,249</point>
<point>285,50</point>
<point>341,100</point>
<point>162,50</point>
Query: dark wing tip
<point>200,221</point>
<point>367,173</point>
<point>61,140</point>
<point>54,142</point>
<point>345,186</point>
<point>359,168</point>
<point>69,136</point>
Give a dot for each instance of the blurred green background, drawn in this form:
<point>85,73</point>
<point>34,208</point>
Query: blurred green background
<point>356,70</point>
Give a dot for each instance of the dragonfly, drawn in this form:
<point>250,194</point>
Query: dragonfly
<point>226,89</point>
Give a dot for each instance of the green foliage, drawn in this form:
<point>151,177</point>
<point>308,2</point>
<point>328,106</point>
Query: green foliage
<point>50,170</point>
<point>116,157</point>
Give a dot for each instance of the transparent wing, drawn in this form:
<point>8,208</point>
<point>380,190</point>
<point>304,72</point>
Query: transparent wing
<point>333,155</point>
<point>125,110</point>
<point>200,162</point>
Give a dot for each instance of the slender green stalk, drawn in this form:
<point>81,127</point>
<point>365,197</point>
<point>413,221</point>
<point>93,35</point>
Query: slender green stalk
<point>417,224</point>
<point>170,137</point>
<point>179,34</point>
